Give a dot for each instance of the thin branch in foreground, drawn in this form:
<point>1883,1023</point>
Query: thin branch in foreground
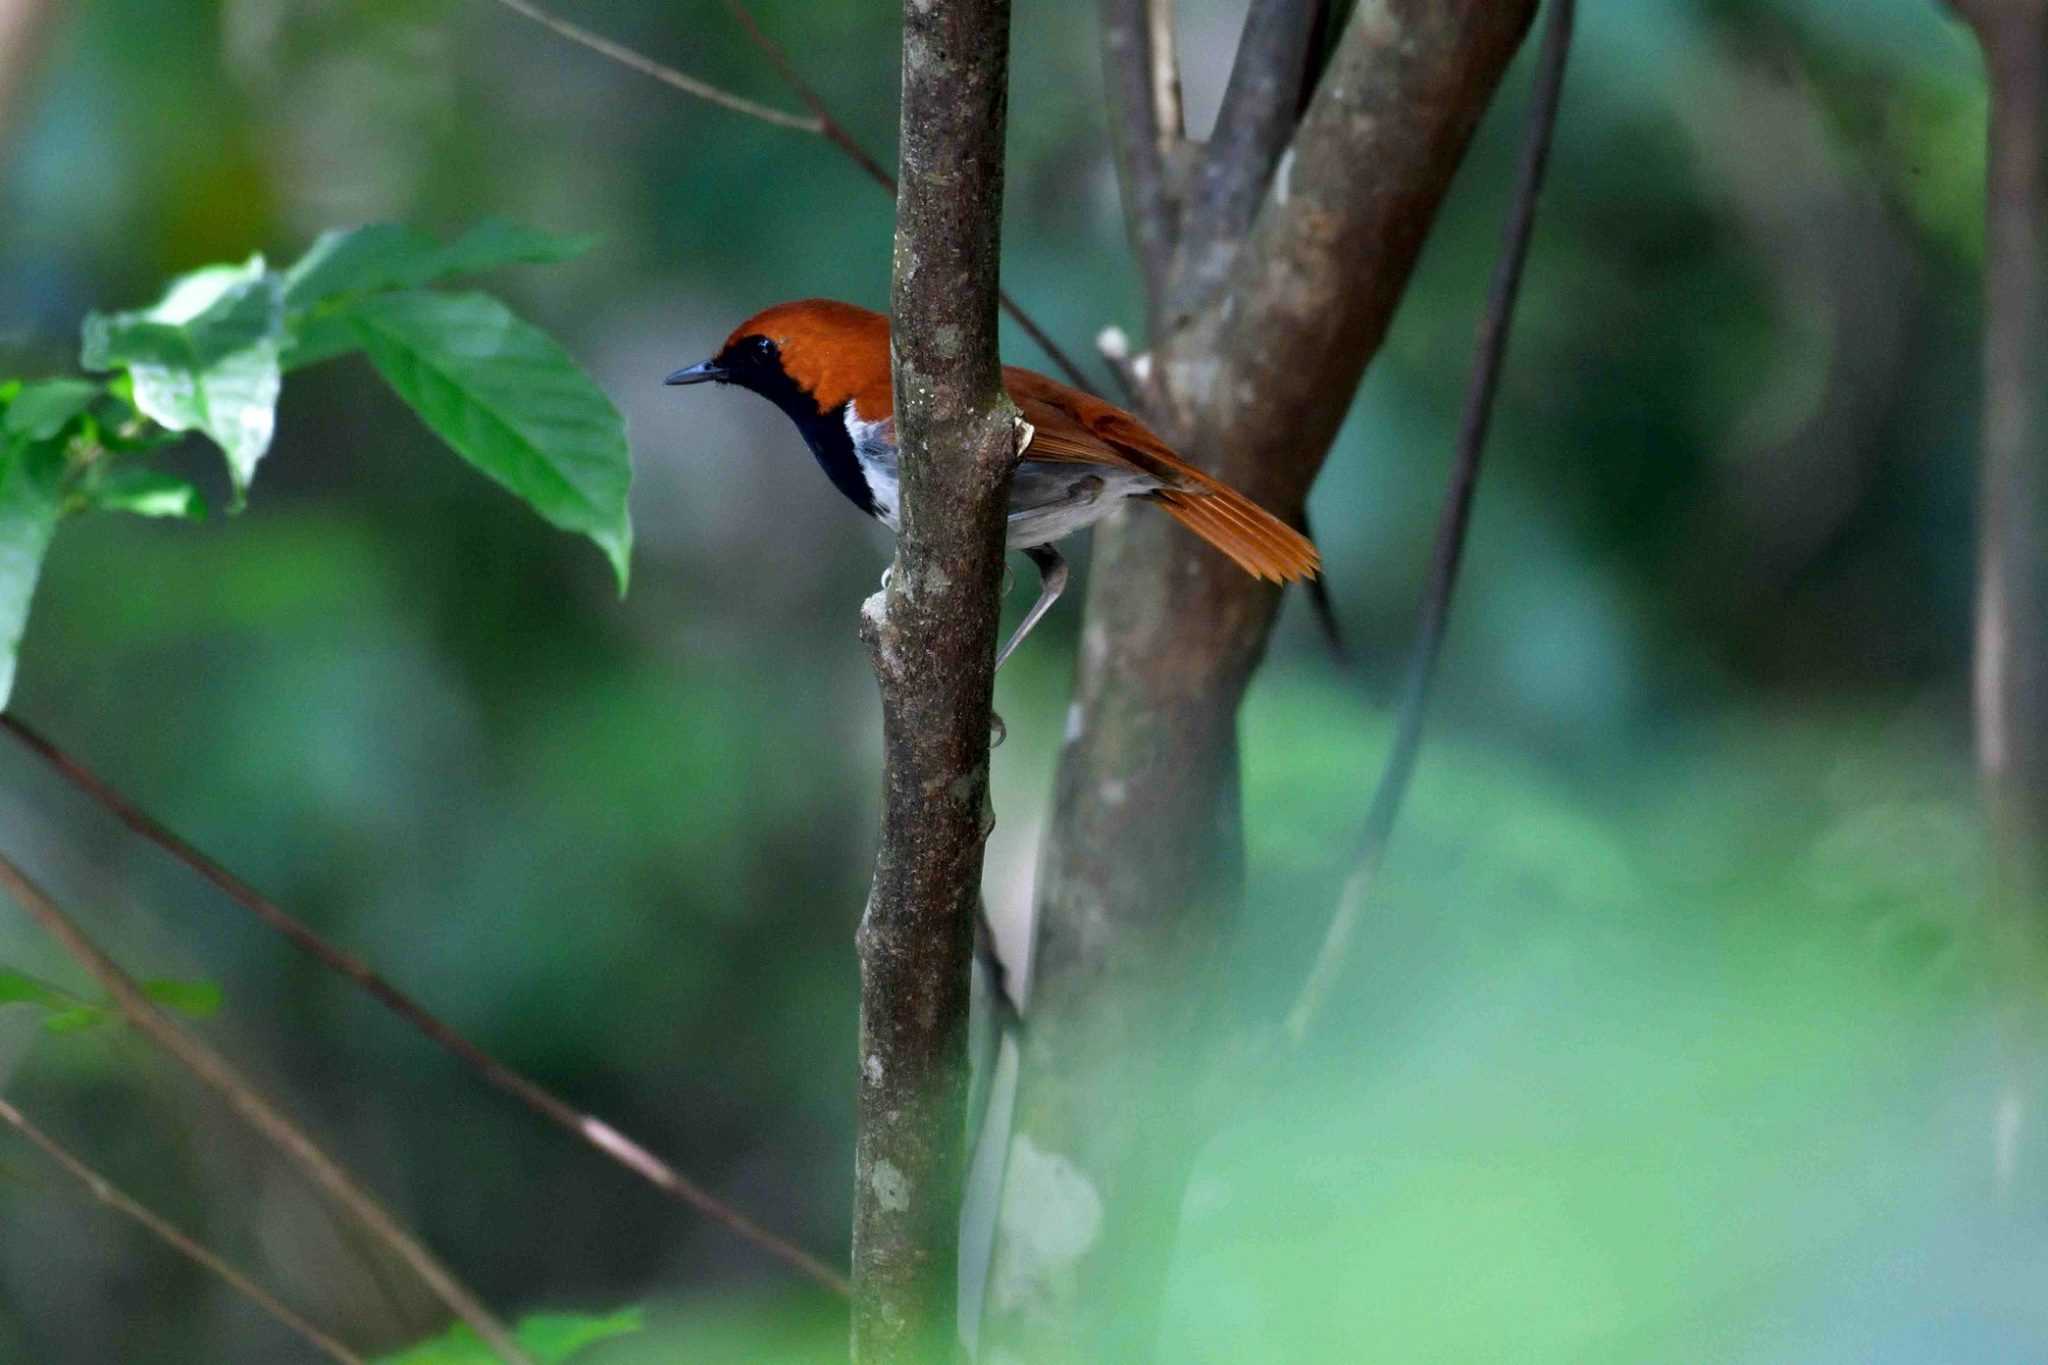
<point>114,1198</point>
<point>932,635</point>
<point>259,1113</point>
<point>821,123</point>
<point>590,1129</point>
<point>1451,526</point>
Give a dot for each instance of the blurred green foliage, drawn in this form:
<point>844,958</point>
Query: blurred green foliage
<point>1669,1038</point>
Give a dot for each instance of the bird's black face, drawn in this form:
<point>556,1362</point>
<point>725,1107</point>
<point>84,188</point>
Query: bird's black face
<point>752,362</point>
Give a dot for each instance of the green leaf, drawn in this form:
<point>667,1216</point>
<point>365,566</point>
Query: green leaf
<point>77,1019</point>
<point>315,339</point>
<point>19,988</point>
<point>147,493</point>
<point>204,358</point>
<point>357,260</point>
<point>550,1338</point>
<point>42,409</point>
<point>198,999</point>
<point>495,242</point>
<point>512,403</point>
<point>67,1013</point>
<point>392,256</point>
<point>29,508</point>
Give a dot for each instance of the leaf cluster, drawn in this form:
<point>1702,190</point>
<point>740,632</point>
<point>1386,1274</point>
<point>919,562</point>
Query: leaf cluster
<point>210,358</point>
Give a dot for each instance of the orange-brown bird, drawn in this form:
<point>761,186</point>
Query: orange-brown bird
<point>826,365</point>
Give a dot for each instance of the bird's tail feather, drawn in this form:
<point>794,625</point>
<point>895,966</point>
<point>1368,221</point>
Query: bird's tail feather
<point>1260,543</point>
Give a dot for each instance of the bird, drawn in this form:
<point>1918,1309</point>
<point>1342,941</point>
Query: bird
<point>826,365</point>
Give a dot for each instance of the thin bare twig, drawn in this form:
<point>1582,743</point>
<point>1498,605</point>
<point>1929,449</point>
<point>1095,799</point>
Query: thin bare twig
<point>667,75</point>
<point>830,128</point>
<point>114,1198</point>
<point>590,1129</point>
<point>1167,115</point>
<point>821,123</point>
<point>266,1118</point>
<point>1139,137</point>
<point>1451,525</point>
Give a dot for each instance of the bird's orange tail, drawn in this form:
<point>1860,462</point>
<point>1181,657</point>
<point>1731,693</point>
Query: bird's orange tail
<point>1260,543</point>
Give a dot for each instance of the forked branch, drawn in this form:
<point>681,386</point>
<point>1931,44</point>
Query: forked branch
<point>1261,106</point>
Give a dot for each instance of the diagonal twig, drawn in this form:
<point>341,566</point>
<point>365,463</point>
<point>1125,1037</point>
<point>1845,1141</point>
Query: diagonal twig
<point>833,131</point>
<point>820,123</point>
<point>291,1141</point>
<point>1451,526</point>
<point>592,1130</point>
<point>114,1198</point>
<point>667,75</point>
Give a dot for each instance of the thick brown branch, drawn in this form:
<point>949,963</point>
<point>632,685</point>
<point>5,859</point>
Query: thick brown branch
<point>1452,524</point>
<point>1141,877</point>
<point>592,1130</point>
<point>112,1196</point>
<point>1260,107</point>
<point>259,1113</point>
<point>932,631</point>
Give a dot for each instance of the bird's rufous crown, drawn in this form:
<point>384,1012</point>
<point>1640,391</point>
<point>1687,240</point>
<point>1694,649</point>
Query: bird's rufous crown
<point>834,351</point>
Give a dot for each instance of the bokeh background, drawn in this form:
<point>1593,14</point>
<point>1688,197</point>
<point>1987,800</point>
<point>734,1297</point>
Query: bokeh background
<point>1672,1038</point>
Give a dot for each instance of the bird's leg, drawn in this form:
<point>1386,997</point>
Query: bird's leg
<point>1052,581</point>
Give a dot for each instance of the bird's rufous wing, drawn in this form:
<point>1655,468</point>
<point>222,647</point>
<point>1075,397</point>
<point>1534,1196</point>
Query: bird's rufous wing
<point>1071,426</point>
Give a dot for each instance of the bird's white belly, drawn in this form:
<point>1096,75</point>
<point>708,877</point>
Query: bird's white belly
<point>1049,499</point>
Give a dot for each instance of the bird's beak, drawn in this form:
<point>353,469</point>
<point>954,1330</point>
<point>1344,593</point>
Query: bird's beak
<point>698,374</point>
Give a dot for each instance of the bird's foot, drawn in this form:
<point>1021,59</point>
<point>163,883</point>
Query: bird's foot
<point>1026,434</point>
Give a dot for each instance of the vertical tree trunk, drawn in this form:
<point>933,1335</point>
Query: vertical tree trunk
<point>2011,647</point>
<point>932,634</point>
<point>1141,875</point>
<point>2011,673</point>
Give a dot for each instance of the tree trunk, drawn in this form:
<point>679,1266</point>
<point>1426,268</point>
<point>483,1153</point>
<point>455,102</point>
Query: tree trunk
<point>1141,877</point>
<point>2011,673</point>
<point>932,633</point>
